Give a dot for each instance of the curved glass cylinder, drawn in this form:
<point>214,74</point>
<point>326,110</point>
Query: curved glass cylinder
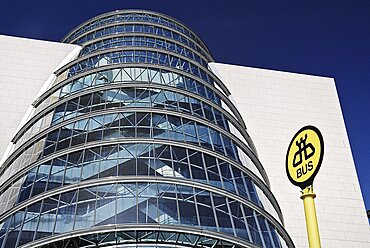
<point>140,159</point>
<point>143,41</point>
<point>163,22</point>
<point>101,80</point>
<point>131,97</point>
<point>126,75</point>
<point>149,238</point>
<point>139,203</point>
<point>128,125</point>
<point>139,29</point>
<point>119,56</point>
<point>136,143</point>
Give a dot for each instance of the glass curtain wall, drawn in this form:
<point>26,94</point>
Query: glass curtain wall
<point>136,144</point>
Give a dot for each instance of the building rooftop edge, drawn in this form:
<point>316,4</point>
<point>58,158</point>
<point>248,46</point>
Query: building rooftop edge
<point>273,70</point>
<point>133,11</point>
<point>37,40</point>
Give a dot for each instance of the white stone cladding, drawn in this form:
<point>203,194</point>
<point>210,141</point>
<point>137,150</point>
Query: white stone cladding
<point>26,66</point>
<point>275,105</point>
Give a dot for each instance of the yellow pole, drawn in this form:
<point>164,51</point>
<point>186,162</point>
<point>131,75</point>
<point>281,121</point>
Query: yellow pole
<point>311,220</point>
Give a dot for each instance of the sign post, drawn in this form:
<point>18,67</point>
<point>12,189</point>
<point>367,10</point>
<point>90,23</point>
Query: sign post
<point>310,213</point>
<point>303,161</point>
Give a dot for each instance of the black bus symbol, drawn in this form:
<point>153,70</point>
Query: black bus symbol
<point>308,150</point>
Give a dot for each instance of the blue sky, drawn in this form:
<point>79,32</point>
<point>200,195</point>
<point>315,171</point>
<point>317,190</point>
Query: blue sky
<point>327,38</point>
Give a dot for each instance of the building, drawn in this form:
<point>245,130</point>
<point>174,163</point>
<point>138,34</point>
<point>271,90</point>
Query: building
<point>275,105</point>
<point>130,135</point>
<point>133,140</point>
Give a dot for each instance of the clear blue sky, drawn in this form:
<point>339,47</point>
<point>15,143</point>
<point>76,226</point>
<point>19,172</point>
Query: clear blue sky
<point>328,38</point>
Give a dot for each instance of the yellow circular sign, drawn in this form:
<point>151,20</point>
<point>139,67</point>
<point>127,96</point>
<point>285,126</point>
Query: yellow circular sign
<point>304,156</point>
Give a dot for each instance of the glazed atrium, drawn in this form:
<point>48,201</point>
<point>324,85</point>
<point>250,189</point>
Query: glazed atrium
<point>127,133</point>
<point>134,142</point>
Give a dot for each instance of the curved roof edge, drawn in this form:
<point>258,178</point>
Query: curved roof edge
<point>134,11</point>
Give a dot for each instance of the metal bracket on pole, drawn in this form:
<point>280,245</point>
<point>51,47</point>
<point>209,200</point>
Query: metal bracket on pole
<point>311,220</point>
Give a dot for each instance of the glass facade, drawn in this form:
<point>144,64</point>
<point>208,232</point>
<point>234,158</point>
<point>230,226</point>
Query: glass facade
<point>136,144</point>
